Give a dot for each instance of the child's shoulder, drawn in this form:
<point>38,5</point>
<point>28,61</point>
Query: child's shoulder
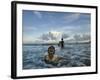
<point>58,58</point>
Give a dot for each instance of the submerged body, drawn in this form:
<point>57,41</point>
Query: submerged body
<point>54,61</point>
<point>61,43</point>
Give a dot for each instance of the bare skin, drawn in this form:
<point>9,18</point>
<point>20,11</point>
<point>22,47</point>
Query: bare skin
<point>51,55</point>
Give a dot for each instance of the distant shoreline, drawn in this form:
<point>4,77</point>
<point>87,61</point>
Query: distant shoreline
<point>56,43</point>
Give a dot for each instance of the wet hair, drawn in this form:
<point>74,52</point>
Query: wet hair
<point>51,48</point>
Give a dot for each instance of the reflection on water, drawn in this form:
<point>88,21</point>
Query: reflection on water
<point>75,55</point>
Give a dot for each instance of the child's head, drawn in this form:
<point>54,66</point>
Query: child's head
<point>51,50</point>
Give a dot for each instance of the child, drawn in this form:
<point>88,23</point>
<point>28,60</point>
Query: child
<point>51,58</point>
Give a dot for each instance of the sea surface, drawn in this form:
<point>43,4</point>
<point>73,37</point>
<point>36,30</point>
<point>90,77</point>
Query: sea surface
<point>74,55</point>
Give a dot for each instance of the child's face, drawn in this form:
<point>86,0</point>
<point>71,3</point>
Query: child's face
<point>51,50</point>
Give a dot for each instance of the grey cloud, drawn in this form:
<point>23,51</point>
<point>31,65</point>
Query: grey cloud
<point>82,37</point>
<point>72,17</point>
<point>37,13</point>
<point>52,37</point>
<point>44,37</point>
<point>65,36</point>
<point>48,36</point>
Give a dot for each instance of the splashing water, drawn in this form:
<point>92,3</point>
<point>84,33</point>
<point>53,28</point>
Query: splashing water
<point>75,55</point>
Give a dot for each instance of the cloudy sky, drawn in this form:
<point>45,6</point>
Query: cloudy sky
<point>42,26</point>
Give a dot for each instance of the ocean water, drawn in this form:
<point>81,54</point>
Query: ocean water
<point>74,55</point>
